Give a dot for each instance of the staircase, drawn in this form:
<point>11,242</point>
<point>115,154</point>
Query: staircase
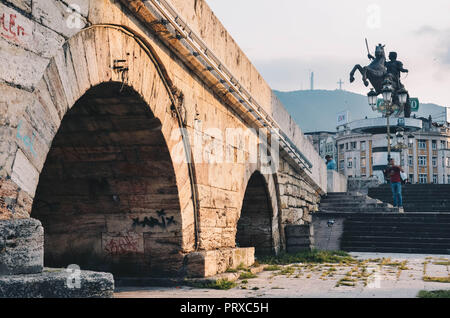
<point>353,202</point>
<point>371,225</point>
<point>417,197</point>
<point>424,233</point>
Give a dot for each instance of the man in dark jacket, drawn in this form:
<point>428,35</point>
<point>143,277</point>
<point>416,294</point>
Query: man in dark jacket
<point>393,172</point>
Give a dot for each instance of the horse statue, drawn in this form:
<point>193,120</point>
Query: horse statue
<point>375,72</point>
<point>381,74</point>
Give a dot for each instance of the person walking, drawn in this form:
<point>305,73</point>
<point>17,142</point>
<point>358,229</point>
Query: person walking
<point>394,173</point>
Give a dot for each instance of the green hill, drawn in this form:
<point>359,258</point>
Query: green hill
<point>316,110</point>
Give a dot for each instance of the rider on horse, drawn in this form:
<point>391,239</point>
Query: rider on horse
<point>395,67</point>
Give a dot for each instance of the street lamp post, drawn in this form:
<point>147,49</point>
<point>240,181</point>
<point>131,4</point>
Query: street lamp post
<point>388,107</point>
<point>387,96</point>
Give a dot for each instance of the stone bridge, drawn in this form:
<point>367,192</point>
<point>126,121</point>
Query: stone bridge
<point>144,140</point>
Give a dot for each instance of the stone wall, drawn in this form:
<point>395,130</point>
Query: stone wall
<point>299,238</point>
<point>337,182</point>
<point>328,231</point>
<point>362,185</point>
<point>298,200</point>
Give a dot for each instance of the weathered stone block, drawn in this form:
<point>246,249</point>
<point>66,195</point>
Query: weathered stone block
<point>298,230</point>
<point>25,174</point>
<point>24,5</point>
<point>298,238</point>
<point>58,283</point>
<point>57,16</point>
<point>209,263</point>
<point>21,247</point>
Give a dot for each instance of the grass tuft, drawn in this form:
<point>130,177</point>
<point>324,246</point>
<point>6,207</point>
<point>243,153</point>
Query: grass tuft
<point>272,268</point>
<point>312,257</point>
<point>222,284</point>
<point>434,294</point>
<point>247,275</point>
<point>437,279</point>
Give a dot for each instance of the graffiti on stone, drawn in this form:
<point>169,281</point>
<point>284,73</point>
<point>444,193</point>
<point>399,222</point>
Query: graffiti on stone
<point>9,28</point>
<point>27,140</point>
<point>121,245</point>
<point>163,221</point>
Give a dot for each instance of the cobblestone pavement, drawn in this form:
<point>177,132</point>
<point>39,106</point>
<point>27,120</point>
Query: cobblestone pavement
<point>379,275</point>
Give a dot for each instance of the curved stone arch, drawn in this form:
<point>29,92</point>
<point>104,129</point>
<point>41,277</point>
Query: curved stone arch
<point>273,198</point>
<point>85,61</point>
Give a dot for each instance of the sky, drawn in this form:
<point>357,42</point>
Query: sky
<point>287,39</point>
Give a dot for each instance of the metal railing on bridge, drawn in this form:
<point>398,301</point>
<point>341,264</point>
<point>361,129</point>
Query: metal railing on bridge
<point>226,78</point>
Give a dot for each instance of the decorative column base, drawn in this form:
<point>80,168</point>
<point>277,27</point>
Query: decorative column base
<point>22,272</point>
<point>21,247</point>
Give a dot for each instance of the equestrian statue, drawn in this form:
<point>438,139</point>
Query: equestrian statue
<point>381,73</point>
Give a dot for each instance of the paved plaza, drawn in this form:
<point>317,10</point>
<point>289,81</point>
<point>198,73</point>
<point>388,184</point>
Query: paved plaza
<point>378,275</point>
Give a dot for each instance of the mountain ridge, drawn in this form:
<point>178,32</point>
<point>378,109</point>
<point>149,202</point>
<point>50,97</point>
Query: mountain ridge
<point>315,110</point>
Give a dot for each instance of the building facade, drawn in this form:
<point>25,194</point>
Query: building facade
<point>424,158</point>
<point>360,148</point>
<point>324,142</point>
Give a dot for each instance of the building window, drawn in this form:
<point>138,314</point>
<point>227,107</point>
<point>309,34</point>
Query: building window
<point>435,178</point>
<point>346,146</point>
<point>434,144</point>
<point>422,144</point>
<point>434,161</point>
<point>442,144</point>
<point>363,145</point>
<point>410,161</point>
<point>448,162</point>
<point>341,164</point>
<point>422,161</point>
<point>329,147</point>
<point>423,178</point>
<point>363,162</point>
<point>353,145</point>
<point>411,178</point>
<point>349,163</point>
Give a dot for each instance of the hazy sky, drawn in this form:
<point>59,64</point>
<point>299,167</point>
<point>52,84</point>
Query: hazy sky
<point>286,39</point>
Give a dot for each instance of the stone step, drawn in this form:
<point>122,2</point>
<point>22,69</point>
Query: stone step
<point>395,244</point>
<point>384,220</point>
<point>356,209</point>
<point>345,199</point>
<point>412,196</point>
<point>416,227</point>
<point>418,201</point>
<point>393,237</point>
<point>417,196</point>
<point>326,205</point>
<point>388,249</point>
<point>397,234</point>
<point>417,186</point>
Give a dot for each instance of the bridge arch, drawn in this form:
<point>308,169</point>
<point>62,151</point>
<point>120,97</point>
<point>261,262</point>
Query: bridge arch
<point>258,224</point>
<point>143,224</point>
